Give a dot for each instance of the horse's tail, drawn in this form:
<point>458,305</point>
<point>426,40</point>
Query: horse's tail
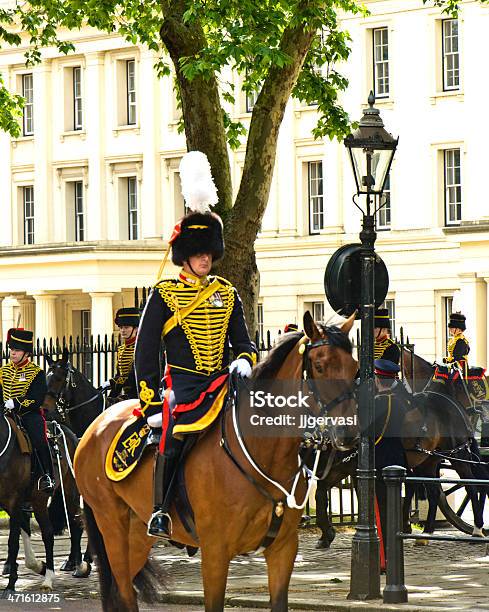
<point>57,513</point>
<point>97,548</point>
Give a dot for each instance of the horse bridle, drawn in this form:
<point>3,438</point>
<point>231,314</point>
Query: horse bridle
<point>349,394</point>
<point>60,399</point>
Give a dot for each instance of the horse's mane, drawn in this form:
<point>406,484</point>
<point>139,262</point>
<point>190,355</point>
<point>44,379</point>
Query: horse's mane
<point>269,367</point>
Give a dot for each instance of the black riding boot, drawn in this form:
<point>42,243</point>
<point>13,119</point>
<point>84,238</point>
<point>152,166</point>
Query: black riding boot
<point>46,481</point>
<point>159,524</point>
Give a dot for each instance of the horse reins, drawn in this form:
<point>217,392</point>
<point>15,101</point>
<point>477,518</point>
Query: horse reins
<point>60,399</point>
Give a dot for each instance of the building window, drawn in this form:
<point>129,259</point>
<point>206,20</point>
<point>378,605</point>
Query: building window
<point>29,215</point>
<point>381,62</point>
<point>447,311</point>
<point>132,207</point>
<point>28,114</point>
<point>79,212</point>
<point>391,311</point>
<point>453,187</point>
<point>451,55</point>
<point>261,330</point>
<point>316,196</point>
<point>77,99</point>
<point>131,91</point>
<point>384,214</point>
<point>318,312</point>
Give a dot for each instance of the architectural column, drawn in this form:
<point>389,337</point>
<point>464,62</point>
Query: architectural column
<point>45,316</point>
<point>473,303</point>
<point>102,315</point>
<point>27,312</point>
<point>96,206</point>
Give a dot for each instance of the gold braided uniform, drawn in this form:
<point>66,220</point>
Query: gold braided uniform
<point>124,380</point>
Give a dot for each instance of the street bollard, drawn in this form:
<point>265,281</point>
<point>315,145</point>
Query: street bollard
<point>395,590</point>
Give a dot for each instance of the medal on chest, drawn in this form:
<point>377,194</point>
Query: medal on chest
<point>22,377</point>
<point>216,300</point>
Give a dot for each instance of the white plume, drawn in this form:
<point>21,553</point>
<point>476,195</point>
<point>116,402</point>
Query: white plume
<point>198,187</point>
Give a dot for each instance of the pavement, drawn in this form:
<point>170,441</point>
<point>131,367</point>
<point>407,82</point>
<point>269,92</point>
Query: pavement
<point>441,576</point>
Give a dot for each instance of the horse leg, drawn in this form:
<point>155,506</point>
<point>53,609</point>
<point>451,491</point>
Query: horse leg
<point>406,508</point>
<point>13,551</point>
<point>322,518</point>
<point>215,567</point>
<point>280,563</point>
<point>113,523</point>
<point>30,559</point>
<point>39,505</point>
<point>433,493</point>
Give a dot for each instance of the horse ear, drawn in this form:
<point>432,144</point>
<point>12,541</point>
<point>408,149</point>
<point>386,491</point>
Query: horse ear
<point>348,324</point>
<point>66,355</point>
<point>49,359</point>
<point>310,327</point>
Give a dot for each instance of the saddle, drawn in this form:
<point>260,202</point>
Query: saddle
<point>476,381</point>
<point>23,439</point>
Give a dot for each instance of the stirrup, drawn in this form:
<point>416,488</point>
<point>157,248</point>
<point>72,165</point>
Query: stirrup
<point>45,483</point>
<point>160,525</point>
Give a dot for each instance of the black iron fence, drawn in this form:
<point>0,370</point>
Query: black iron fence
<point>95,357</point>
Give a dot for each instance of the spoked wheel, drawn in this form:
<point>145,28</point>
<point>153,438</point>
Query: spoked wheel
<point>455,504</point>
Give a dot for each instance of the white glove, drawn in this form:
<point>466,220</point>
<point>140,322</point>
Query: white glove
<point>10,404</point>
<point>156,420</point>
<point>242,367</point>
<point>105,385</point>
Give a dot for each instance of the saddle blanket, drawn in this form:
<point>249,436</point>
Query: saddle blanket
<point>476,380</point>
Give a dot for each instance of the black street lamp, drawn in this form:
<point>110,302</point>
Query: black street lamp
<point>371,150</point>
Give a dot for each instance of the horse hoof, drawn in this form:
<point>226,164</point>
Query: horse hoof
<point>6,569</point>
<point>323,544</point>
<point>421,542</point>
<point>83,570</point>
<point>39,567</point>
<point>192,550</point>
<point>7,593</point>
<point>478,533</point>
<point>68,566</point>
<point>46,588</point>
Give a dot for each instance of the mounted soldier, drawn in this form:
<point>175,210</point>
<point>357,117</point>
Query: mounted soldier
<point>458,346</point>
<point>123,385</point>
<point>384,346</point>
<point>23,387</point>
<point>199,317</point>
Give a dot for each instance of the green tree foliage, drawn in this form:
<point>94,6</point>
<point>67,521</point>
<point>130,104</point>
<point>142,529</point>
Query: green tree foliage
<point>280,47</point>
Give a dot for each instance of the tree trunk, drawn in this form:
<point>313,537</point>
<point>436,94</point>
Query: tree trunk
<point>204,129</point>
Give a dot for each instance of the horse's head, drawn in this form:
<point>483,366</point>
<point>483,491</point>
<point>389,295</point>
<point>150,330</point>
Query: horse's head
<point>331,371</point>
<point>60,381</point>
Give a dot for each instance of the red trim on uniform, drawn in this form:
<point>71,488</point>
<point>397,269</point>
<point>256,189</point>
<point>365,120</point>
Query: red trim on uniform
<point>385,374</point>
<point>45,427</point>
<point>22,363</point>
<point>381,537</point>
<point>130,341</point>
<point>166,410</point>
<point>212,387</point>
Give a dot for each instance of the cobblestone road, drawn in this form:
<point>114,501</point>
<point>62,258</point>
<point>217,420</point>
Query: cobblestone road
<point>441,576</point>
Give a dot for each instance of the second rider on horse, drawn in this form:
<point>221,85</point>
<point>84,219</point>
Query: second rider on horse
<point>23,388</point>
<point>198,318</point>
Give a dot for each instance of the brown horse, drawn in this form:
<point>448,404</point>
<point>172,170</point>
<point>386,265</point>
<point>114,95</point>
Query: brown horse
<point>232,514</point>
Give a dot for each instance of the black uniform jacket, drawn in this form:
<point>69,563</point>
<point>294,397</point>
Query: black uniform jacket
<point>387,349</point>
<point>198,322</point>
<point>125,378</point>
<point>26,385</point>
<point>458,349</point>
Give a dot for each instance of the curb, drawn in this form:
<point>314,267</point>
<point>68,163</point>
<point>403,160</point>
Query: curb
<point>197,598</point>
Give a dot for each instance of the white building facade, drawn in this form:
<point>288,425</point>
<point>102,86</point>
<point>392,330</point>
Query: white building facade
<point>91,188</point>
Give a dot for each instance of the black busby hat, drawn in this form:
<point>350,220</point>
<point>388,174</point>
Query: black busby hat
<point>382,319</point>
<point>291,327</point>
<point>20,339</point>
<point>457,319</point>
<point>197,233</point>
<point>200,231</point>
<point>127,316</point>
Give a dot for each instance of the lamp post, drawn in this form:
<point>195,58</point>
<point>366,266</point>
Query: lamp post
<point>371,149</point>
